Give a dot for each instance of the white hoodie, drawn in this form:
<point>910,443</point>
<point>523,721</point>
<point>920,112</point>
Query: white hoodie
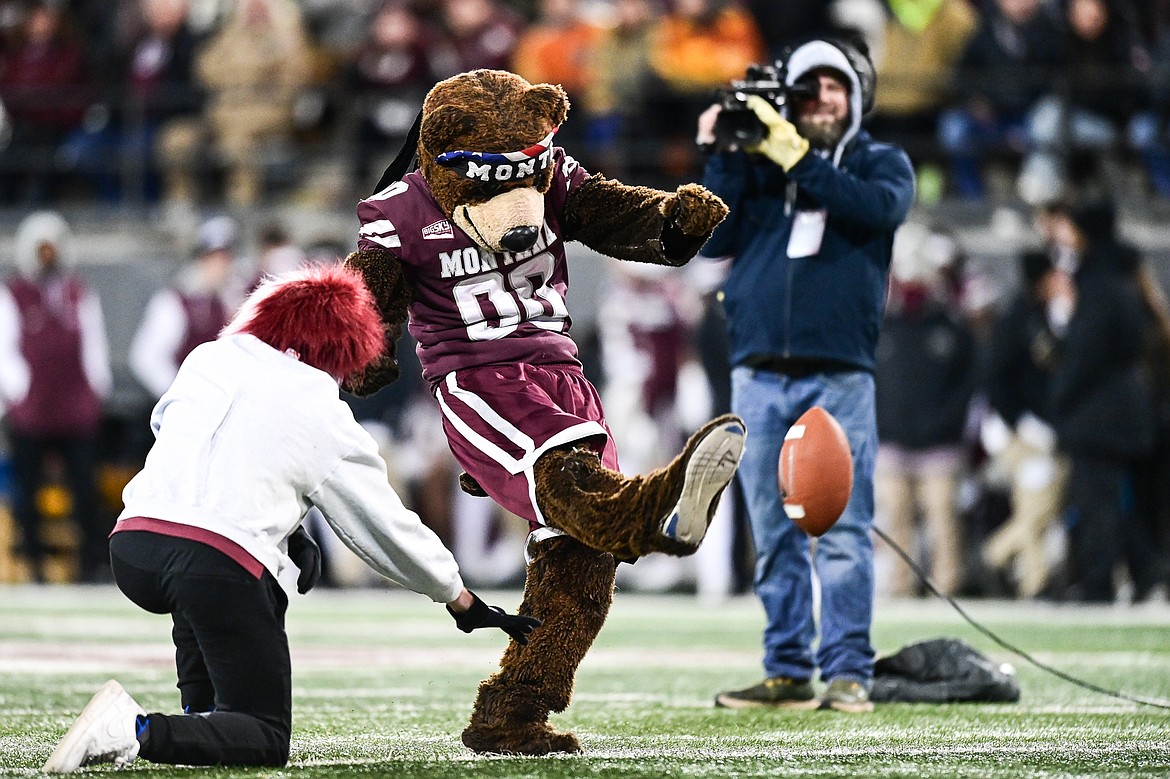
<point>248,438</point>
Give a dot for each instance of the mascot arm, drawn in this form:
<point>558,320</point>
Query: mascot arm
<point>642,224</point>
<point>382,273</point>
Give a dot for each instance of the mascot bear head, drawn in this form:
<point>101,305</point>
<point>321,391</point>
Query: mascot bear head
<point>485,150</point>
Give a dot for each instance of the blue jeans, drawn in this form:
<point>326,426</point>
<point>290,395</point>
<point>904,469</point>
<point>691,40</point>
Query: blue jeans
<point>769,404</point>
<point>967,139</point>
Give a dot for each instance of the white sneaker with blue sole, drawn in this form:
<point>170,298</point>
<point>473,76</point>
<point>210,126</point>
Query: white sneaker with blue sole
<point>709,469</point>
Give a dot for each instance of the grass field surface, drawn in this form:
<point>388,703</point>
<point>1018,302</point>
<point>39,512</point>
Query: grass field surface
<point>383,685</point>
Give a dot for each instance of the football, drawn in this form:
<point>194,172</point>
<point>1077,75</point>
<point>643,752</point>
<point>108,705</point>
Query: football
<point>816,471</point>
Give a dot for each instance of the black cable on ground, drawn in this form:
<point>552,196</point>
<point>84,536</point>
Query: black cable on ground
<point>1157,703</point>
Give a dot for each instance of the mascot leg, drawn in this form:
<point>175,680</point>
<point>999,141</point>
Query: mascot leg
<point>667,510</point>
<point>570,584</point>
<point>570,588</point>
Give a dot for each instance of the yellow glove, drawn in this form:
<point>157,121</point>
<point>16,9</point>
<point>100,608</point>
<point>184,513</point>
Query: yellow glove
<point>782,145</point>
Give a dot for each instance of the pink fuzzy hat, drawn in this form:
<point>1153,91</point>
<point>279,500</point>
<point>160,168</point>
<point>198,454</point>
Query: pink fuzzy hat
<point>324,313</point>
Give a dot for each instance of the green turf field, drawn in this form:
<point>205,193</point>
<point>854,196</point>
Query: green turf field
<point>383,684</point>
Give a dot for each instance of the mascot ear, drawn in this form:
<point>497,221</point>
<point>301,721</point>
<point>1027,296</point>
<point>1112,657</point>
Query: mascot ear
<point>443,125</point>
<point>547,100</point>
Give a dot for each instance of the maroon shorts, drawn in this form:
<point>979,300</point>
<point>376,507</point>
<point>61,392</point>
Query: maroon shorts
<point>499,419</point>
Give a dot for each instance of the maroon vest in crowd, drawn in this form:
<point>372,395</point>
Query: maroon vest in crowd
<point>206,316</point>
<point>60,400</point>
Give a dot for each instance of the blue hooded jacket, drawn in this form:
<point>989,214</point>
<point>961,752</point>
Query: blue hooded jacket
<point>827,306</point>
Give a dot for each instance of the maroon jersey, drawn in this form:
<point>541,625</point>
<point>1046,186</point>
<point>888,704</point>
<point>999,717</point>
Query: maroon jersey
<point>472,307</point>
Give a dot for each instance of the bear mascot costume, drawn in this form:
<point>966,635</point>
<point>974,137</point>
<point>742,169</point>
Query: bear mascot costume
<point>470,247</point>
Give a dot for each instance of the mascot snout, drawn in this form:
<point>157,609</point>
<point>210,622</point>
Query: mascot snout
<point>508,222</point>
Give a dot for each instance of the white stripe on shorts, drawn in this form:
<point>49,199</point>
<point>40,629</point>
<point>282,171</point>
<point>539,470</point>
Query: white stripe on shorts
<point>522,441</point>
<point>487,414</point>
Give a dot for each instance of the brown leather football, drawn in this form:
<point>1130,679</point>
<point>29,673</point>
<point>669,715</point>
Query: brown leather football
<point>816,471</point>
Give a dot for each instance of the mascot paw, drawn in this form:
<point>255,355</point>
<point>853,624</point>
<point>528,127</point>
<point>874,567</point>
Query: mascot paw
<point>694,209</point>
<point>373,377</point>
<point>534,738</point>
<point>469,485</point>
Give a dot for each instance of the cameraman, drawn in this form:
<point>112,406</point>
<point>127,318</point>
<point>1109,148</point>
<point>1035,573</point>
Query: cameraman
<point>814,206</point>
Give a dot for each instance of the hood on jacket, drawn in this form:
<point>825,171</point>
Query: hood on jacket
<point>853,62</point>
<point>39,228</point>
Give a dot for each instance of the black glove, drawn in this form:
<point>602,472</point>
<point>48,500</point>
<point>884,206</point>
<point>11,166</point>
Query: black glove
<point>307,556</point>
<point>481,615</point>
<point>471,486</point>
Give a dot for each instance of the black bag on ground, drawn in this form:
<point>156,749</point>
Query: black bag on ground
<point>942,670</point>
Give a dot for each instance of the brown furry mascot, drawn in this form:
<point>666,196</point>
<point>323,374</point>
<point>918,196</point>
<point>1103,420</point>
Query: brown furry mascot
<point>471,246</point>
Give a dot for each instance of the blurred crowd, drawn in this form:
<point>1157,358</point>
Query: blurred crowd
<point>1025,433</point>
<point>1025,429</point>
<point>243,101</point>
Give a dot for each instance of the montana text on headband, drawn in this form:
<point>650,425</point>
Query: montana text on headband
<point>493,166</point>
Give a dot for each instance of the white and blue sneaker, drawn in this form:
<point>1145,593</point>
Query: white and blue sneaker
<point>106,731</point>
<point>715,452</point>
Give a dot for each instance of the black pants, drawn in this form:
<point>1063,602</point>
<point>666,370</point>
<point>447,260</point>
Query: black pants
<point>231,651</point>
<point>78,454</point>
<point>1106,531</point>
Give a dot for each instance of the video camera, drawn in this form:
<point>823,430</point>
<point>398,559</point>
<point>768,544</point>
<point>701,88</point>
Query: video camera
<point>737,125</point>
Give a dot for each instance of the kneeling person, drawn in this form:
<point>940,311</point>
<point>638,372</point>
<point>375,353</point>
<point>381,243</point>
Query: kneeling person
<point>252,434</point>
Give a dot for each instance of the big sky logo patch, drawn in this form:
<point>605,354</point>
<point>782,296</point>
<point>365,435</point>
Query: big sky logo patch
<point>437,230</point>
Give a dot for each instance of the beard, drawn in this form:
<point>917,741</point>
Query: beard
<point>822,135</point>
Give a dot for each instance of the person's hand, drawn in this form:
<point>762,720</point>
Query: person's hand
<point>783,145</point>
<point>477,614</point>
<point>306,555</point>
<point>705,135</point>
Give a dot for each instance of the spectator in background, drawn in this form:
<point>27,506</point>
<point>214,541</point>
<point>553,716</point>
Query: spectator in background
<point>1101,407</point>
<point>618,76</point>
<point>278,254</point>
<point>555,49</point>
<point>253,69</point>
<point>654,391</point>
<point>1017,433</point>
<point>1151,485</point>
<point>483,34</point>
<point>791,22</point>
<point>697,45</point>
<point>1099,89</point>
<point>1154,21</point>
<point>151,84</point>
<point>54,375</point>
<point>45,93</point>
<point>925,376</point>
<point>922,43</point>
<point>189,312</point>
<point>1005,68</point>
<point>646,323</point>
<point>390,74</point>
